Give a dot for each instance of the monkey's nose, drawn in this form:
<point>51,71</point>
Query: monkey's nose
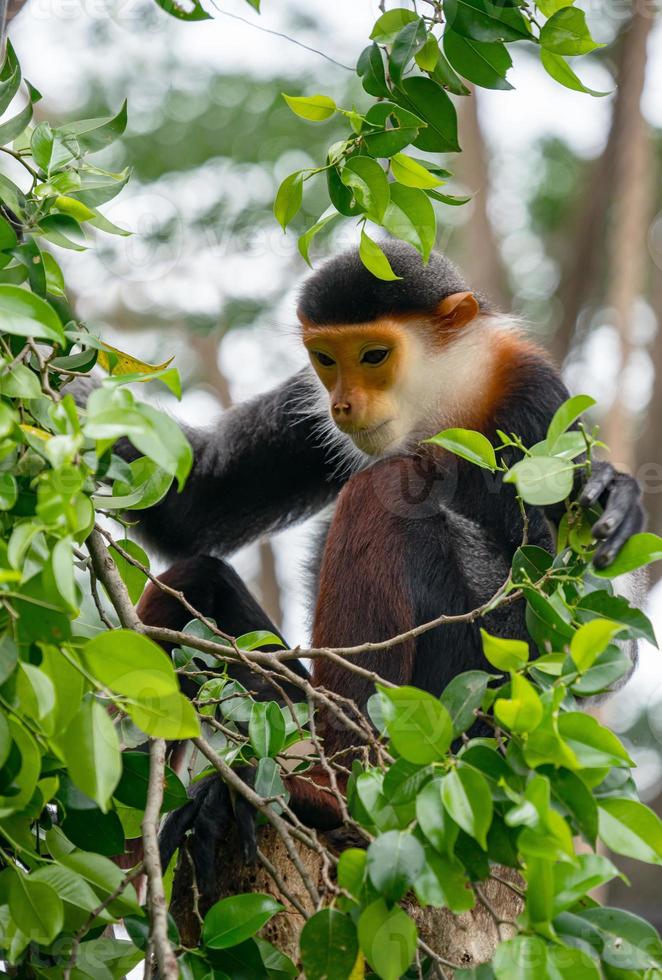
<point>341,408</point>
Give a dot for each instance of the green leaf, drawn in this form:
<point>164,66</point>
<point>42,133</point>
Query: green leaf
<point>387,939</point>
<point>566,33</point>
<point>170,716</point>
<point>407,42</point>
<point>442,883</point>
<point>469,445</point>
<point>63,230</point>
<point>561,72</point>
<point>639,550</point>
<point>467,797</point>
<point>132,787</point>
<point>411,173</point>
<point>616,608</point>
<point>7,235</point>
<point>306,239</point>
<point>13,128</point>
<point>628,942</point>
<point>482,20</point>
<point>629,827</point>
<point>446,77</point>
<point>463,696</point>
<point>504,654</point>
<point>269,783</point>
<point>105,878</point>
<point>63,571</point>
<point>523,711</point>
<point>316,108</point>
<point>134,578</point>
<point>266,728</point>
<point>41,144</point>
<point>418,724</point>
<point>232,920</point>
<point>394,861</point>
<point>36,909</point>
<point>428,100</point>
<point>289,197</point>
<point>483,64</point>
<point>389,25</point>
<point>573,881</point>
<point>352,870</point>
<point>609,668</point>
<point>130,664</point>
<point>369,184</point>
<point>410,217</point>
<point>590,640</point>
<point>593,744</point>
<point>91,751</point>
<point>54,277</point>
<point>26,315</point>
<point>328,945</point>
<point>71,888</point>
<point>8,491</point>
<point>96,134</point>
<point>374,259</point>
<point>577,798</point>
<point>542,480</point>
<point>428,57</point>
<point>10,78</point>
<point>522,958</point>
<point>434,820</point>
<point>566,963</point>
<point>370,69</point>
<point>189,9</point>
<point>151,483</point>
<point>565,415</point>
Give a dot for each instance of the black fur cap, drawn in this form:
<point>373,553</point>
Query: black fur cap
<point>344,291</point>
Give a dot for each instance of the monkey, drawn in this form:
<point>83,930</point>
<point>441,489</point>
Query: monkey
<point>411,531</point>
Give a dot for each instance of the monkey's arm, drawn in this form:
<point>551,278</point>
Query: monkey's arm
<point>263,466</point>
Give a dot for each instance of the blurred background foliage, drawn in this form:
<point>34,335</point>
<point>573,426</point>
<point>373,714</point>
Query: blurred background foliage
<point>564,228</point>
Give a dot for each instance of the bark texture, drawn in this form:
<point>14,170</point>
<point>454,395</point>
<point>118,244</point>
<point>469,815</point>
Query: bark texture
<point>465,939</point>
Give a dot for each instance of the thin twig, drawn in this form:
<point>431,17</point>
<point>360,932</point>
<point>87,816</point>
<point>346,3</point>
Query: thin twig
<point>286,37</point>
<point>156,900</point>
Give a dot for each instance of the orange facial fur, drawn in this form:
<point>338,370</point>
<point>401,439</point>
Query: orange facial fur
<point>449,367</point>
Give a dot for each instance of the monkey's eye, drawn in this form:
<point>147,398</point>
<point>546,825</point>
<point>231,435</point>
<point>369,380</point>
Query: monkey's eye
<point>375,356</point>
<point>324,359</point>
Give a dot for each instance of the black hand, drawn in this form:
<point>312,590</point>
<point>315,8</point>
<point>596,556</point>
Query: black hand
<point>209,814</point>
<point>620,496</point>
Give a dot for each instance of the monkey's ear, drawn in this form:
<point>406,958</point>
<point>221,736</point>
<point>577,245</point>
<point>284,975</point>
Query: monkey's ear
<point>456,310</point>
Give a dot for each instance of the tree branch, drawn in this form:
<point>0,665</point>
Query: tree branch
<point>165,957</point>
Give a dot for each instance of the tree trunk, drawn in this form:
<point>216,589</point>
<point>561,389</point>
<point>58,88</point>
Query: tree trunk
<point>465,939</point>
<point>481,259</point>
<point>630,215</point>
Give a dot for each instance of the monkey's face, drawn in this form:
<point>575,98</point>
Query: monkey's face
<point>362,367</point>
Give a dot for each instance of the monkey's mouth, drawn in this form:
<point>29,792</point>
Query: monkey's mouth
<point>373,440</point>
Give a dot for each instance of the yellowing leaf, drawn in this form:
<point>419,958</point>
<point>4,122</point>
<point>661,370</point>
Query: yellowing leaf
<point>32,430</point>
<point>358,973</point>
<point>115,361</point>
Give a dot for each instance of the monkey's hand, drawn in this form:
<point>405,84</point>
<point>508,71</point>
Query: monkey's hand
<point>620,497</point>
<point>209,815</point>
